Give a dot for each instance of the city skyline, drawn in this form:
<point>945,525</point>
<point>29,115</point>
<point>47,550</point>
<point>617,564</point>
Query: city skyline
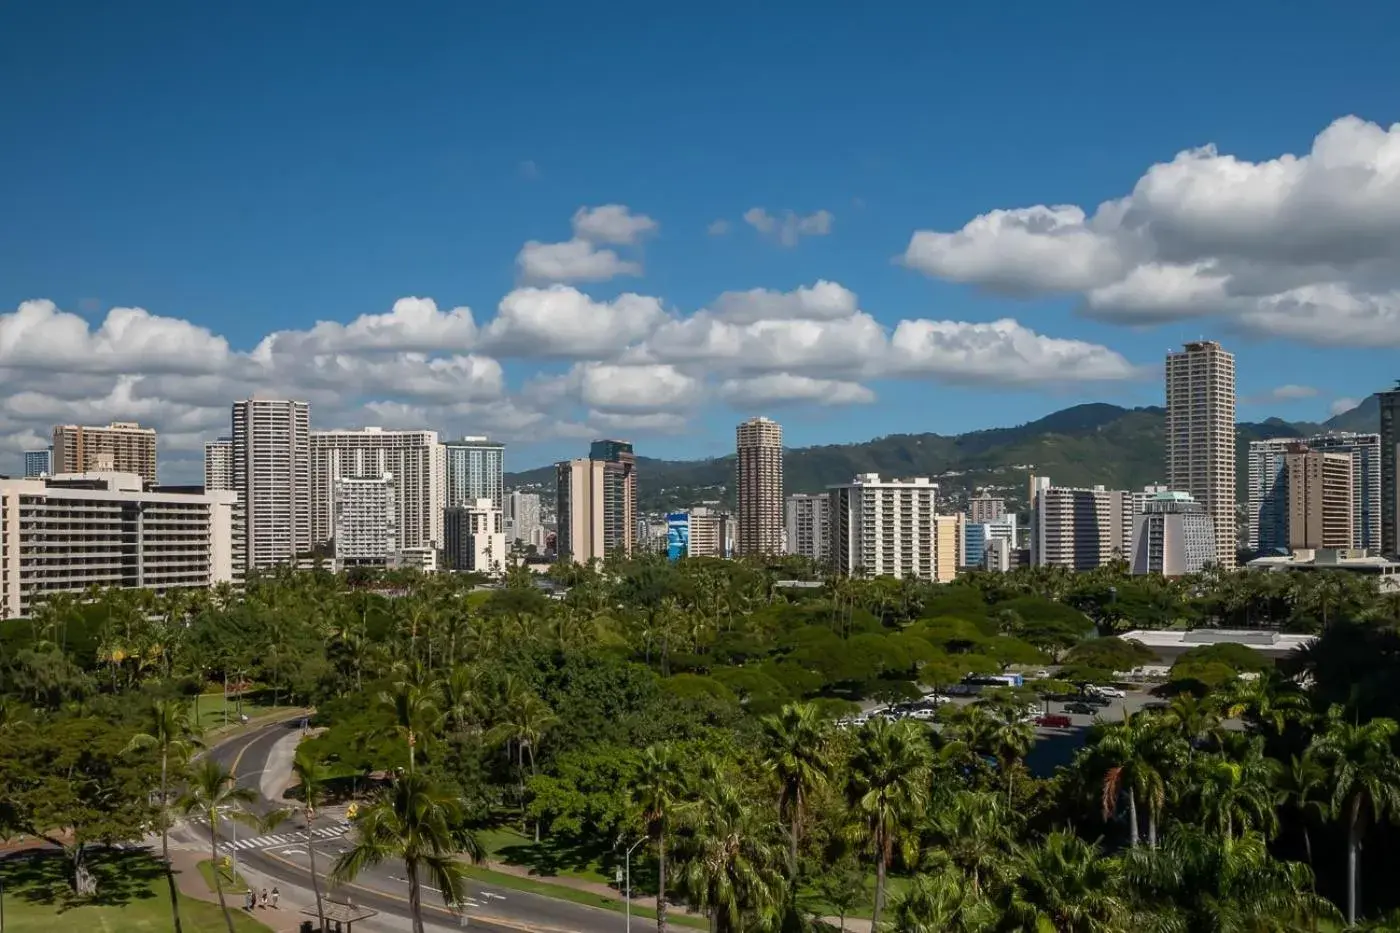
<point>641,282</point>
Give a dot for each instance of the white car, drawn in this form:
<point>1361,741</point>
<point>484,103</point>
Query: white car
<point>923,714</point>
<point>1110,692</point>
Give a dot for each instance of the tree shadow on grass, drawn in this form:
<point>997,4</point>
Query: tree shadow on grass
<point>44,877</point>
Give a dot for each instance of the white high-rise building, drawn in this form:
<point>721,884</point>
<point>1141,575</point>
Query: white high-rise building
<point>414,458</point>
<point>1172,536</point>
<point>476,538</point>
<point>365,512</point>
<point>65,533</point>
<point>475,470</point>
<point>272,476</point>
<point>218,464</point>
<point>809,526</point>
<point>1201,436</point>
<point>892,528</point>
<point>1081,529</point>
<point>523,517</point>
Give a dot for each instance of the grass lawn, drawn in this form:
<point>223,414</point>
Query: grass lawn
<point>232,881</point>
<point>551,856</point>
<point>211,709</point>
<point>588,898</point>
<point>132,897</point>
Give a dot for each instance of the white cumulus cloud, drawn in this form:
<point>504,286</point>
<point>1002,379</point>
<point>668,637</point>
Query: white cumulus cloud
<point>788,227</point>
<point>784,388</point>
<point>612,223</point>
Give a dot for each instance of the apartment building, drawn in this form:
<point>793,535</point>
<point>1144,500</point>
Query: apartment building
<point>978,535</point>
<point>1080,529</point>
<point>1267,504</point>
<point>1172,536</point>
<point>475,469</point>
<point>1200,391</point>
<point>808,526</point>
<point>1390,503</point>
<point>985,508</point>
<point>476,538</point>
<point>416,461</point>
<point>365,516</point>
<point>522,514</point>
<point>67,532</point>
<point>892,528</point>
<point>758,485</point>
<point>38,462</point>
<point>596,504</point>
<point>122,446</point>
<point>1319,488</point>
<point>997,557</point>
<point>271,443</point>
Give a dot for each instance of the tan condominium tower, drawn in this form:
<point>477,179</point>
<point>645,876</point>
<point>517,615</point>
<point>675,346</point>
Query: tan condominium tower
<point>758,484</point>
<point>1201,435</point>
<point>122,447</point>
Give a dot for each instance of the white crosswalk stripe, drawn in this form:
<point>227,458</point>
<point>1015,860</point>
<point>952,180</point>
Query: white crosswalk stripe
<point>271,840</point>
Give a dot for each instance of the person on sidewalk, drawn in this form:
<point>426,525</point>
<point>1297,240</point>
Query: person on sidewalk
<point>250,900</point>
<point>275,894</point>
<point>263,903</point>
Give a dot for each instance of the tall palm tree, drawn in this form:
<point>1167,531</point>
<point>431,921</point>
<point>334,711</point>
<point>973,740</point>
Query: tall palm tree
<point>1301,785</point>
<point>1134,754</point>
<point>942,903</point>
<point>416,823</point>
<point>797,758</point>
<point>212,795</point>
<point>170,734</point>
<point>887,791</point>
<point>659,794</point>
<point>1365,780</point>
<point>312,775</point>
<point>728,863</point>
<point>1066,885</point>
<point>413,712</point>
<point>1236,793</point>
<point>973,833</point>
<point>524,720</point>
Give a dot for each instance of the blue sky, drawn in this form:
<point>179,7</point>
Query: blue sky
<point>249,169</point>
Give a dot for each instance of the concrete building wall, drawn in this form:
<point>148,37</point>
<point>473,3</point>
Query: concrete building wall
<point>1200,395</point>
<point>122,447</point>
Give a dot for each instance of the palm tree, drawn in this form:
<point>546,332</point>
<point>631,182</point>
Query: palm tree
<point>659,794</point>
<point>1133,754</point>
<point>169,732</point>
<point>942,903</point>
<point>798,760</point>
<point>421,826</point>
<point>312,775</point>
<point>212,795</point>
<point>1300,785</point>
<point>1201,882</point>
<point>728,863</point>
<point>1365,778</point>
<point>1236,793</point>
<point>974,834</point>
<point>1066,885</point>
<point>525,718</point>
<point>887,791</point>
<point>413,711</point>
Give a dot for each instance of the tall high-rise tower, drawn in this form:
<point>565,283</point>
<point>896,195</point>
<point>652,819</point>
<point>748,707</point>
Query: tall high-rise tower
<point>1201,435</point>
<point>415,459</point>
<point>1390,503</point>
<point>272,476</point>
<point>758,484</point>
<point>475,469</point>
<point>596,503</point>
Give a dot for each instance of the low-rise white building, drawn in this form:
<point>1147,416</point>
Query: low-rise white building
<point>69,531</point>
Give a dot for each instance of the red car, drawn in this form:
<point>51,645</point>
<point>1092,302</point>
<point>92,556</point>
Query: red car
<point>1053,721</point>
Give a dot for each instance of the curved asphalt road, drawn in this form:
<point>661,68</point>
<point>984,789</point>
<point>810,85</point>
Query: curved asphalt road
<point>383,888</point>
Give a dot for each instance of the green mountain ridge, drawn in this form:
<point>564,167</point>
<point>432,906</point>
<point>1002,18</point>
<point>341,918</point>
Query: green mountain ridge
<point>1085,445</point>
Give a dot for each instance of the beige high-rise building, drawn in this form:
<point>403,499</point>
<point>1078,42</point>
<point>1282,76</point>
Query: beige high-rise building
<point>272,476</point>
<point>985,508</point>
<point>1319,498</point>
<point>1081,529</point>
<point>596,504</point>
<point>122,447</point>
<point>758,485</point>
<point>1200,438</point>
<point>891,528</point>
<point>414,458</point>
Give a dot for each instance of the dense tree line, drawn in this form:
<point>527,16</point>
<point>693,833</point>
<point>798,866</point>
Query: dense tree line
<point>694,706</point>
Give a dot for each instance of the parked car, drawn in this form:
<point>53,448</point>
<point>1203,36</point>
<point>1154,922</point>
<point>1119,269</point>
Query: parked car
<point>923,714</point>
<point>1054,721</point>
<point>1113,692</point>
<point>1081,708</point>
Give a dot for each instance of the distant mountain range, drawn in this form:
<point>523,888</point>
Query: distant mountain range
<point>1085,445</point>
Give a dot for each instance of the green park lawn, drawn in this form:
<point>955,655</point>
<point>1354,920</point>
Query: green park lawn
<point>132,897</point>
<point>232,881</point>
<point>211,709</point>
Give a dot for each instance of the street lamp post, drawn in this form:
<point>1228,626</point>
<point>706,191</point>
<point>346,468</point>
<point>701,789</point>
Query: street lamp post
<point>627,859</point>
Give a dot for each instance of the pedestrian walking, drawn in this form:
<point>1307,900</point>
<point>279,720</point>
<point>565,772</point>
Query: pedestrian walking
<point>275,894</point>
<point>249,899</point>
<point>263,904</point>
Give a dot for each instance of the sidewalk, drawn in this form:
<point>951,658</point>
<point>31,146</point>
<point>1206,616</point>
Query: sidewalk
<point>286,918</point>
